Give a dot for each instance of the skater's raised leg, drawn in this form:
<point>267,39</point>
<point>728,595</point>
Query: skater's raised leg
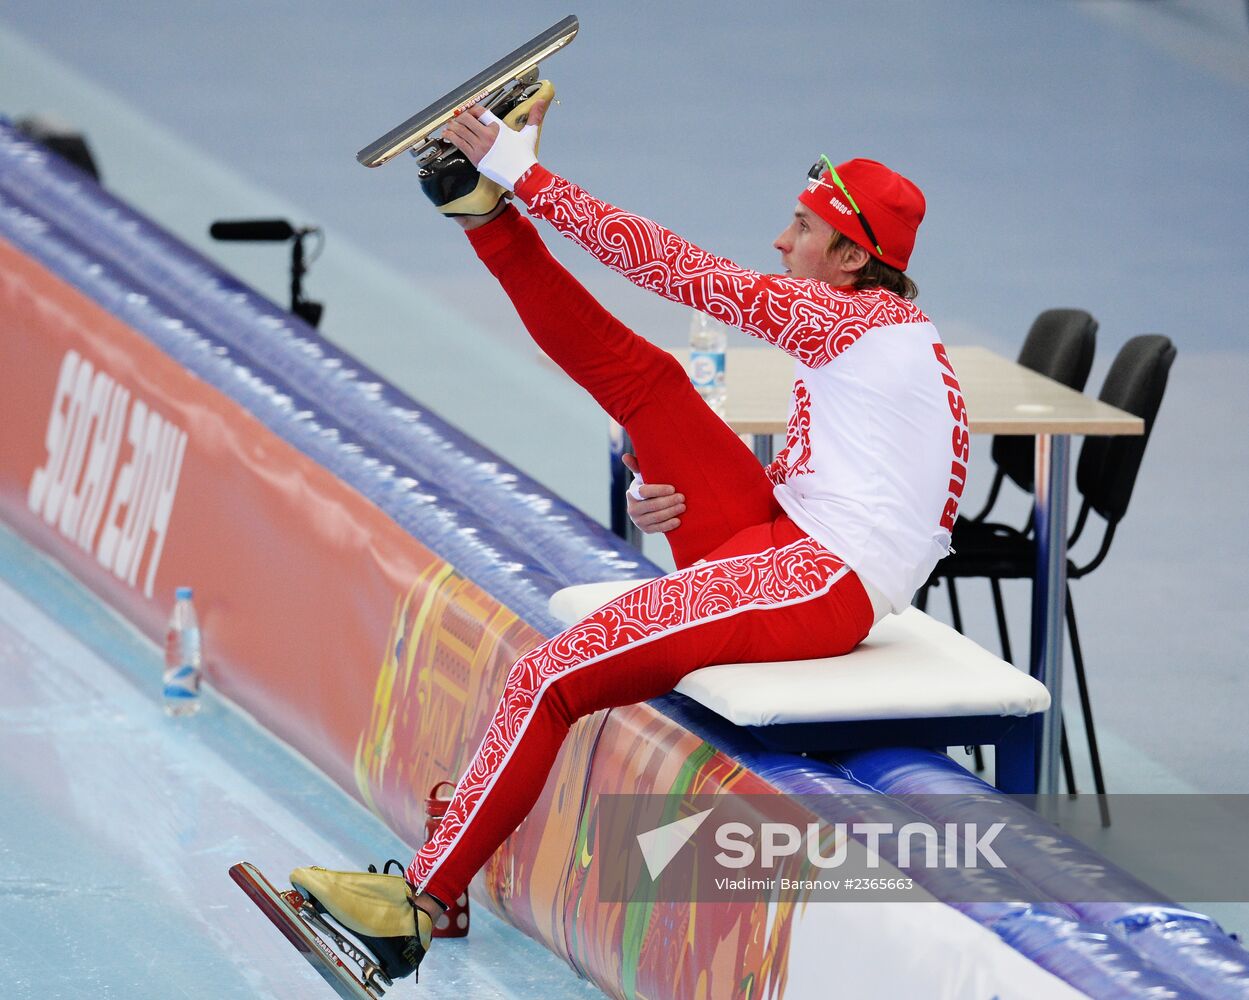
<point>677,437</point>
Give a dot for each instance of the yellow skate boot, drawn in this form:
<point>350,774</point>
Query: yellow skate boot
<point>451,182</point>
<point>376,909</point>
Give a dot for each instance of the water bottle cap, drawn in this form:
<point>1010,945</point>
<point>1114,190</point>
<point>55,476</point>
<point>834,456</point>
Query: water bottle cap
<point>182,594</point>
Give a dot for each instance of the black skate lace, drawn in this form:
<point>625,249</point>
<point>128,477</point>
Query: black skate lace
<point>386,867</point>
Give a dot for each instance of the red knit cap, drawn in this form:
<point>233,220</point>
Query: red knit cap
<point>894,207</point>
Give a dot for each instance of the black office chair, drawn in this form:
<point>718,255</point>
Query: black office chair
<point>1105,476</point>
<point>1059,345</point>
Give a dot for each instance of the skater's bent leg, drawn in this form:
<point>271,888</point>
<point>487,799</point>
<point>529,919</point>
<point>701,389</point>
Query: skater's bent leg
<point>677,438</point>
<point>795,601</point>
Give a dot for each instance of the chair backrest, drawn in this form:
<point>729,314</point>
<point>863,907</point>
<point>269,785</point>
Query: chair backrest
<point>1060,345</point>
<point>1106,472</point>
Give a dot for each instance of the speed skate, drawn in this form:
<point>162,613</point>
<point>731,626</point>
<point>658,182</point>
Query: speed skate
<point>510,75</point>
<point>312,934</point>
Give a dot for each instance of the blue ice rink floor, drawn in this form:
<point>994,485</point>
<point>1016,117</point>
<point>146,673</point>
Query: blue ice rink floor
<point>117,826</point>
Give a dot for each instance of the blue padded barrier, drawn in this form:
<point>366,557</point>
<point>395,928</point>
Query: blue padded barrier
<point>1090,959</point>
<point>1097,947</point>
<point>1189,945</point>
<point>475,511</point>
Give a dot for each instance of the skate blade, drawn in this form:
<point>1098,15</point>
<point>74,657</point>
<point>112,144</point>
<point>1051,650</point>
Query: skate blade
<point>431,150</point>
<point>416,131</point>
<point>286,911</point>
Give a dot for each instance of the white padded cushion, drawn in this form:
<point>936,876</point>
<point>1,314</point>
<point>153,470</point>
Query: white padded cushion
<point>910,666</point>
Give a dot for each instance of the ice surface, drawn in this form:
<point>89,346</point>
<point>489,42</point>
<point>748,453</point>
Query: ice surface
<point>118,825</point>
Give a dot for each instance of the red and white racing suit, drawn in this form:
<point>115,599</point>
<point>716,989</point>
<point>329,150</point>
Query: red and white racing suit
<point>792,562</point>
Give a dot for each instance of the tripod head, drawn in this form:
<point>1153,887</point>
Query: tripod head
<point>278,231</point>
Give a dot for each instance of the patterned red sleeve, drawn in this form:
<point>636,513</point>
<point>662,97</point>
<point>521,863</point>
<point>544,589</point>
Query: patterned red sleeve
<point>803,317</point>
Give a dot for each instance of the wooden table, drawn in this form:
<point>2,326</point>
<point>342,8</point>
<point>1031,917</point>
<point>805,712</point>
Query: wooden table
<point>1002,398</point>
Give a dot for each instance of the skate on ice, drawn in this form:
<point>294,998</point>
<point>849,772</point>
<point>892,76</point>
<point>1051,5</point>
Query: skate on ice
<point>389,934</point>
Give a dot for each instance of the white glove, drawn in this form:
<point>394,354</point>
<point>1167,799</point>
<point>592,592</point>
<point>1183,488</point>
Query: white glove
<point>511,155</point>
<point>635,487</point>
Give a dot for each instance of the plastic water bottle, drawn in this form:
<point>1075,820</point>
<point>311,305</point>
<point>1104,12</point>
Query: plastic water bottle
<point>707,346</point>
<point>183,657</point>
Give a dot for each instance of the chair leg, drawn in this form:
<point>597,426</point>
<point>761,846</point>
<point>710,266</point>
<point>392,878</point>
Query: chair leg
<point>1000,610</point>
<point>1086,707</point>
<point>921,598</point>
<point>1003,634</point>
<point>1069,772</point>
<point>977,756</point>
<point>955,614</point>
